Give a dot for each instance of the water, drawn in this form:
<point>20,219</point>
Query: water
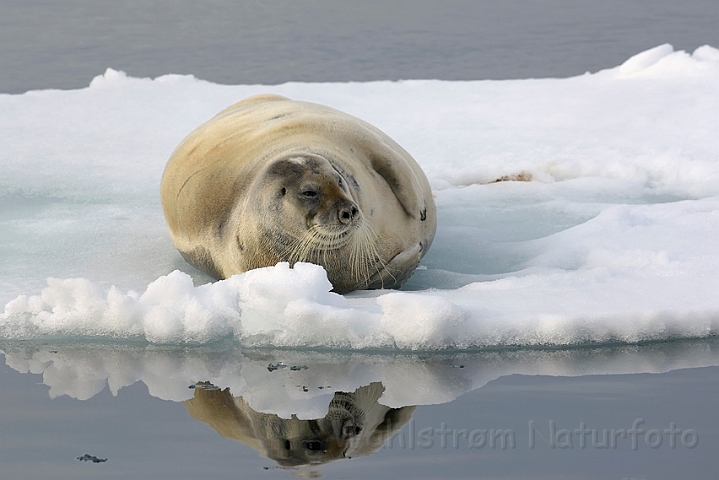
<point>48,421</point>
<point>50,44</point>
<point>611,412</point>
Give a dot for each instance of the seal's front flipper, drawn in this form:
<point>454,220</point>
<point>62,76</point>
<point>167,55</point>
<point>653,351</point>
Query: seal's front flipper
<point>398,270</point>
<point>403,182</point>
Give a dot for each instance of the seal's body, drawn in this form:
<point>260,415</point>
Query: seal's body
<point>273,180</point>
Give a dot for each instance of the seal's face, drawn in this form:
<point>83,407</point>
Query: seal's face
<point>316,192</point>
<point>294,442</point>
<point>312,213</point>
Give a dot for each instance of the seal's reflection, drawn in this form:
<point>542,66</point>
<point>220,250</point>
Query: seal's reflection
<point>356,424</point>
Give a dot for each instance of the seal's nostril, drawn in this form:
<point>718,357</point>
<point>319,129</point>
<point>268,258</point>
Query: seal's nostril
<point>347,213</point>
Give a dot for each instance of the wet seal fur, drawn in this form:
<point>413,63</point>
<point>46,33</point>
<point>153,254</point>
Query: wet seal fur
<point>271,180</point>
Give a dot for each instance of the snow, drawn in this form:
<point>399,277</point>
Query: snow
<point>614,239</point>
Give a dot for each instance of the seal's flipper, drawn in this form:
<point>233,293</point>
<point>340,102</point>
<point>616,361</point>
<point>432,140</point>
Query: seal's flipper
<point>397,174</point>
<point>398,270</point>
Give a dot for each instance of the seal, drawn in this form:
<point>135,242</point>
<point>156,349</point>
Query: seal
<point>356,424</point>
<point>272,180</point>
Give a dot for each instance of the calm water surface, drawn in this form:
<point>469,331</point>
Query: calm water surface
<point>625,412</point>
<point>615,412</point>
<point>52,44</point>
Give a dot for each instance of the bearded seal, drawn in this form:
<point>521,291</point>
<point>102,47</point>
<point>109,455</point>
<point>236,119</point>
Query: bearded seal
<point>272,180</point>
<point>356,424</point>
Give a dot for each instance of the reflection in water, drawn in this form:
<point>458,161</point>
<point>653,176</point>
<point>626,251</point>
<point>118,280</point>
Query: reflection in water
<point>355,424</point>
<point>300,383</point>
<point>303,409</point>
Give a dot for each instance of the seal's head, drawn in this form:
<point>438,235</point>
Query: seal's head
<point>306,210</point>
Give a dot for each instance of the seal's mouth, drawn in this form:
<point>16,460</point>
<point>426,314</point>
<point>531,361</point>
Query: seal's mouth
<point>329,237</point>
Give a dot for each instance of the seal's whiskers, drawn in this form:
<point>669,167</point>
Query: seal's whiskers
<point>354,252</point>
<point>364,256</point>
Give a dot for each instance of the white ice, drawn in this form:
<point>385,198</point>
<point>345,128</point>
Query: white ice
<point>615,238</point>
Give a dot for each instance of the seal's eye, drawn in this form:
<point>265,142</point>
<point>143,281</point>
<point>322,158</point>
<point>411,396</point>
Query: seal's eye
<point>314,445</point>
<point>283,191</point>
<point>309,193</point>
<point>351,430</point>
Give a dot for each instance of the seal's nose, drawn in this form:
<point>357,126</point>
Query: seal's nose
<point>346,213</point>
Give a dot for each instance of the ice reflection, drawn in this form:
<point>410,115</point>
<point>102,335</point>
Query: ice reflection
<point>302,383</point>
